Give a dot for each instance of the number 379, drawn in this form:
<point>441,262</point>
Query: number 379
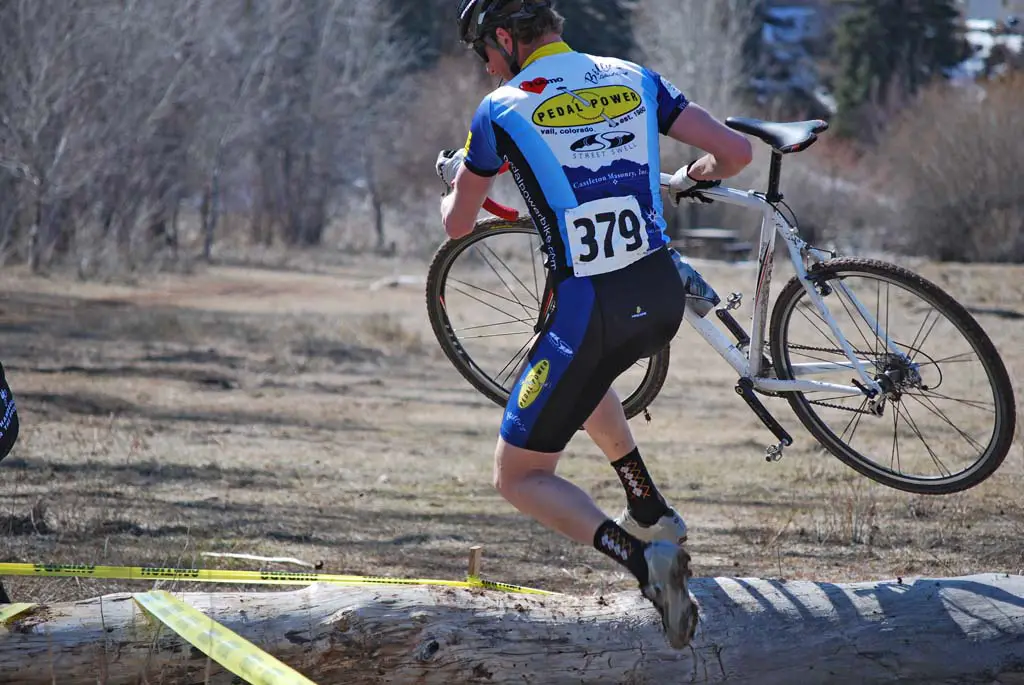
<point>626,224</point>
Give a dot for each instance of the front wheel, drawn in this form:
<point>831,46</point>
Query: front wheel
<point>947,417</point>
<point>485,293</point>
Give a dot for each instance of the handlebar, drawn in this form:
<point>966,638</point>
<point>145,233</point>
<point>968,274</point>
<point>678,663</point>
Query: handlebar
<point>499,210</point>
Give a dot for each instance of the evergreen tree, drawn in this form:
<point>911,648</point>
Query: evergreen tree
<point>600,27</point>
<point>887,46</point>
<point>596,26</point>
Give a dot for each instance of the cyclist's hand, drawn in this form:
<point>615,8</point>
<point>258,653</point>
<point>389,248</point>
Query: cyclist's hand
<point>683,188</point>
<point>448,164</point>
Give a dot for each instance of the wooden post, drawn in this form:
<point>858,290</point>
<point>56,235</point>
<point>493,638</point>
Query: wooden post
<point>475,553</point>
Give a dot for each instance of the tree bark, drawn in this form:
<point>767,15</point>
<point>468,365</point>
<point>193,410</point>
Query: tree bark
<point>950,630</point>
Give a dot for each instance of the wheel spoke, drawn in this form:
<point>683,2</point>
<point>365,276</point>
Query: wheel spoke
<point>513,363</point>
<point>499,296</point>
<point>503,282</point>
<point>986,406</point>
<point>895,443</point>
<point>827,336</point>
<point>887,309</point>
<point>854,421</point>
<point>533,263</point>
<point>954,359</point>
<point>918,345</point>
<point>905,412</point>
<point>494,335</point>
<point>878,302</point>
<point>528,322</point>
<point>853,319</point>
<point>930,406</point>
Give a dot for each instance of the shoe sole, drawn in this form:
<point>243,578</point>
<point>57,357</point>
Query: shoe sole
<point>680,636</point>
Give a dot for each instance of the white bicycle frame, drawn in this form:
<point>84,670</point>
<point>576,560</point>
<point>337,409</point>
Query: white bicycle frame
<point>748,364</point>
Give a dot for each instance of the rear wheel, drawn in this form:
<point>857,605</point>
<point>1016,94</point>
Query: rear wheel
<point>486,293</point>
<point>947,415</point>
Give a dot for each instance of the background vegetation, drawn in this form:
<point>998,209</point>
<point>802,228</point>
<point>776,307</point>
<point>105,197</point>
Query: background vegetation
<point>140,134</point>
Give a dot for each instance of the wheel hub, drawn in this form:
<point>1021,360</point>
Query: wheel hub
<point>896,374</point>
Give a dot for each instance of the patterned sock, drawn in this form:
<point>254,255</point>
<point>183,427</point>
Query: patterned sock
<point>623,548</point>
<point>646,504</point>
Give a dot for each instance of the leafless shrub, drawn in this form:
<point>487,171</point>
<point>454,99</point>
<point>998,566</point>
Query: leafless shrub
<point>954,160</point>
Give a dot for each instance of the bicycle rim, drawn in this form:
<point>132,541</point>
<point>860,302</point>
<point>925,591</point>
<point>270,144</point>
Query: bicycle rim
<point>484,296</point>
<point>948,417</point>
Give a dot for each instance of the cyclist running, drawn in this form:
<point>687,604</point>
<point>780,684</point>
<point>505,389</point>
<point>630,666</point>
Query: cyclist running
<point>580,134</point>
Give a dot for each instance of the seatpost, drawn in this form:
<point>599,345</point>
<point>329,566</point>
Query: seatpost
<point>774,177</point>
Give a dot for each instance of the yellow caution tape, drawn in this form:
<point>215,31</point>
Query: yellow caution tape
<point>198,575</point>
<point>230,650</point>
<point>10,611</point>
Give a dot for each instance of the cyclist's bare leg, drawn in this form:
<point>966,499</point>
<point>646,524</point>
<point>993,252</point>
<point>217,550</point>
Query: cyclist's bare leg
<point>608,428</point>
<point>527,480</point>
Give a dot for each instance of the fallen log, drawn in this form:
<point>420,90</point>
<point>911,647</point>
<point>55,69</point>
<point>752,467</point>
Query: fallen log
<point>944,630</point>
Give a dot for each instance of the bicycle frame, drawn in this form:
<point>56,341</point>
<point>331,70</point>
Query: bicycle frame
<point>748,365</point>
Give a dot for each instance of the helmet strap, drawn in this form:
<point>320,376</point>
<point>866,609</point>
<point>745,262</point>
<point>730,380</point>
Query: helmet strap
<point>511,59</point>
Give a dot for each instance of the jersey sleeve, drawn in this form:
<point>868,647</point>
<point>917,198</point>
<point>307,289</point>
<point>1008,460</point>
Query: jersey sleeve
<point>671,101</point>
<point>481,149</point>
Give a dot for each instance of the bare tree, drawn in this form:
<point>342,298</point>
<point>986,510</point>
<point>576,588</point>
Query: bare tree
<point>115,113</point>
<point>699,46</point>
<point>333,84</point>
<point>43,84</point>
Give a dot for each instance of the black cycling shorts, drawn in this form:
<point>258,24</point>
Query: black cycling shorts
<point>602,325</point>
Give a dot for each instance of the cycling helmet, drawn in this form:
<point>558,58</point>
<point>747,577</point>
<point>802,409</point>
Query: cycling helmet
<point>478,20</point>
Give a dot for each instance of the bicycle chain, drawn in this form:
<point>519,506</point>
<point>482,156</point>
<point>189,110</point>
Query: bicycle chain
<point>833,350</point>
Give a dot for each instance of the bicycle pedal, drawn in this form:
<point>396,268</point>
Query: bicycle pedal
<point>733,301</point>
<point>773,453</point>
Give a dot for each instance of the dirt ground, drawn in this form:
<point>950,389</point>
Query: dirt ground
<point>294,411</point>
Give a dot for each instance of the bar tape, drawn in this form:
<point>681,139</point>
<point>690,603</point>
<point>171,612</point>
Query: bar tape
<point>198,575</point>
<point>230,650</point>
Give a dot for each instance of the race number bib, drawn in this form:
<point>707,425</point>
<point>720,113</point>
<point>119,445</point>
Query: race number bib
<point>606,235</point>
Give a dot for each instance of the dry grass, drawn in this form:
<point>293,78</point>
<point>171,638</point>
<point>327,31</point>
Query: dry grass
<point>276,412</point>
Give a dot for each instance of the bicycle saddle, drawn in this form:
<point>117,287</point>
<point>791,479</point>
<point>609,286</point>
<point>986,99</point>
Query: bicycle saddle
<point>786,137</point>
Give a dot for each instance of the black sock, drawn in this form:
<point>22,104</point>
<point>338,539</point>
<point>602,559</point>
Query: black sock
<point>646,504</point>
<point>623,548</point>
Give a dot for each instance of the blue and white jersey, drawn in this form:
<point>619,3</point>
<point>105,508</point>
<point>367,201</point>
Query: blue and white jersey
<point>581,136</point>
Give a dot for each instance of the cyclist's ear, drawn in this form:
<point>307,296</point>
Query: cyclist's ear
<point>504,38</point>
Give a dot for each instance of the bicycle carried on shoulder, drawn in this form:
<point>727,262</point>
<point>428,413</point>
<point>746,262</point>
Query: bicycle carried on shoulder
<point>874,360</point>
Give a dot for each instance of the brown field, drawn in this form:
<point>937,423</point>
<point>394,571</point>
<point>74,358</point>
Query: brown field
<point>296,412</point>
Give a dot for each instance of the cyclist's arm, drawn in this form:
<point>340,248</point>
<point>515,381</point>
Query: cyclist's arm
<point>728,151</point>
<point>460,208</point>
<point>473,181</point>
